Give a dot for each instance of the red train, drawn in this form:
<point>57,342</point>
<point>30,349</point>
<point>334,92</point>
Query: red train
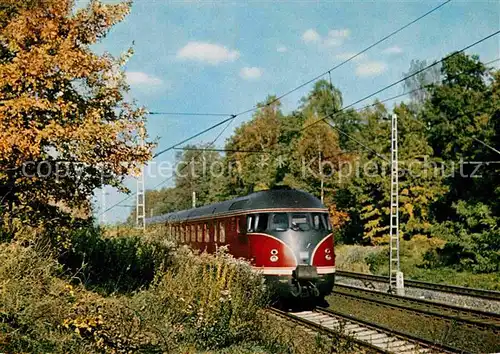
<point>285,234</point>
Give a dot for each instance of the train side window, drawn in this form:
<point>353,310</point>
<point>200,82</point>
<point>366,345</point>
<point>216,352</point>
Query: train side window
<point>242,226</point>
<point>234,225</point>
<point>222,232</point>
<point>211,230</point>
<point>182,232</point>
<point>193,233</point>
<point>216,231</point>
<point>279,222</point>
<point>262,220</point>
<point>250,223</point>
<point>205,232</point>
<point>199,234</point>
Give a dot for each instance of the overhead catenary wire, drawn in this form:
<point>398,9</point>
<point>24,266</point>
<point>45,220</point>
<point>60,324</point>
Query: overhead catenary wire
<point>189,114</point>
<point>403,79</point>
<point>233,117</point>
<point>424,87</point>
<point>229,121</point>
<point>256,107</point>
<point>223,150</point>
<point>383,39</point>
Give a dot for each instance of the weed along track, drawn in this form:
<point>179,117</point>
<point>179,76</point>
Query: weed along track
<point>474,318</point>
<point>371,337</point>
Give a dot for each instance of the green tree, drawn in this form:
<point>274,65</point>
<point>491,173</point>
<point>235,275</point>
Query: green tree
<point>256,150</point>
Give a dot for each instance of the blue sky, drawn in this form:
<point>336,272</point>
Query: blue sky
<point>224,57</point>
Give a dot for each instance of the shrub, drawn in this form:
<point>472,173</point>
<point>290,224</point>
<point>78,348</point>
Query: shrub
<point>114,264</point>
<point>212,300</point>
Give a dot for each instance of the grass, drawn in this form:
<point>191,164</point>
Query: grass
<point>116,292</point>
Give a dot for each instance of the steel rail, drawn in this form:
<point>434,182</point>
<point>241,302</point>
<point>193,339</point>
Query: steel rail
<point>492,324</point>
<point>326,330</point>
<point>424,343</point>
<point>451,289</point>
<point>468,312</point>
<point>376,337</point>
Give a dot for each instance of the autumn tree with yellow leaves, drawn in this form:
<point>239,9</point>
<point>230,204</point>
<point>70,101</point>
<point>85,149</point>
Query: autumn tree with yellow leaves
<point>65,126</point>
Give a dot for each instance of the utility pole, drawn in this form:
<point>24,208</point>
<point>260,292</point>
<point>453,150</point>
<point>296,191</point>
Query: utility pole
<point>194,199</point>
<point>321,176</point>
<point>140,215</point>
<point>103,201</point>
<point>396,281</point>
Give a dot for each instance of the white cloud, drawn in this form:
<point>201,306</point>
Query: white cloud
<point>340,33</point>
<point>281,49</point>
<point>370,68</point>
<point>347,55</point>
<point>334,38</point>
<point>250,73</point>
<point>207,52</point>
<point>311,36</point>
<point>393,50</point>
<point>337,37</point>
<point>137,78</point>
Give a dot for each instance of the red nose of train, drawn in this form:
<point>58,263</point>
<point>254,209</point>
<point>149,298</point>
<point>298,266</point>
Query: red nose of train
<point>268,251</point>
<point>323,255</point>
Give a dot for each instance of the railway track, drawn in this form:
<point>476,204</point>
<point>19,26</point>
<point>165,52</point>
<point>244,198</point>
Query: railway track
<point>368,335</point>
<point>451,289</point>
<point>474,318</point>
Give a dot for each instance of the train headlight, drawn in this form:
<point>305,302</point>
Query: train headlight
<point>273,258</point>
<point>274,251</point>
<point>328,251</point>
<point>328,257</point>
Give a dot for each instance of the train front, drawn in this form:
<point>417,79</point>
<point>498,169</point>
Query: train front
<point>294,249</point>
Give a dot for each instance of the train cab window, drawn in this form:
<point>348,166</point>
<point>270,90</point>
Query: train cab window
<point>319,222</point>
<point>205,232</point>
<point>300,222</point>
<point>199,234</point>
<point>222,232</point>
<point>279,222</point>
<point>261,222</point>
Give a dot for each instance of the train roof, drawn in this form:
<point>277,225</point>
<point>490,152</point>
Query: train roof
<point>269,199</point>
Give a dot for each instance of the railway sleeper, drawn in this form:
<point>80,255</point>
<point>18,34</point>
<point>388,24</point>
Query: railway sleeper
<point>370,336</point>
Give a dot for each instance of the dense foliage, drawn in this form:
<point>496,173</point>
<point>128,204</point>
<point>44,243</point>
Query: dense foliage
<point>449,178</point>
<point>65,126</point>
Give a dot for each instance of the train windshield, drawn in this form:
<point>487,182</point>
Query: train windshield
<point>285,221</point>
<point>279,222</point>
<point>300,222</point>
